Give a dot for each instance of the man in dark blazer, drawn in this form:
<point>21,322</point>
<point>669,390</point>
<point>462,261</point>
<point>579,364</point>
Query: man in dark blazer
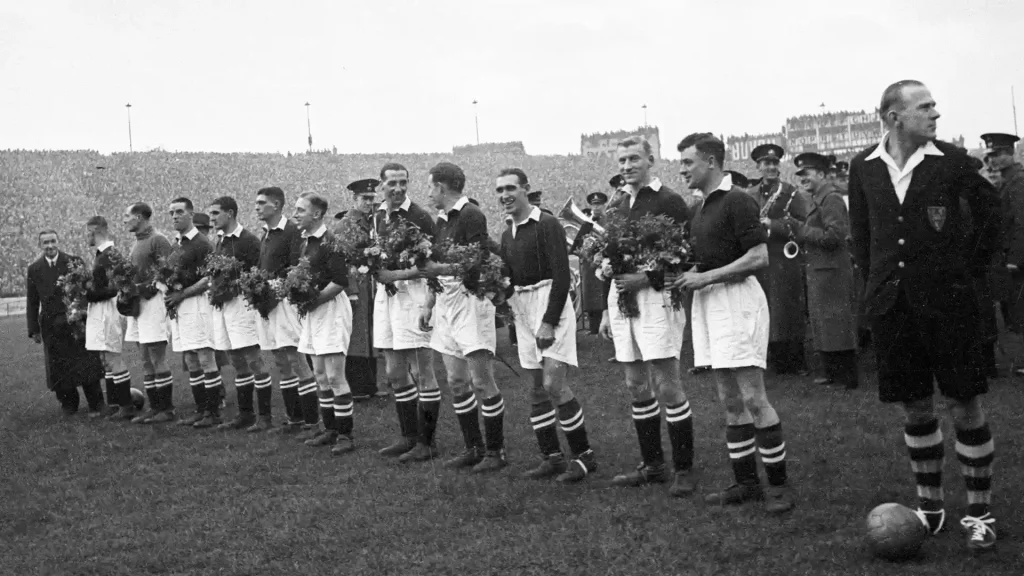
<point>911,237</point>
<point>68,364</point>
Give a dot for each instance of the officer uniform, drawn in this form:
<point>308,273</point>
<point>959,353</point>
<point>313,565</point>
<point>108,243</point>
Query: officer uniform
<point>594,299</point>
<point>783,279</point>
<point>823,238</point>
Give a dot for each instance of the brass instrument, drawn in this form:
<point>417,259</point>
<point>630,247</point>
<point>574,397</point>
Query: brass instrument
<point>574,219</point>
<point>791,249</point>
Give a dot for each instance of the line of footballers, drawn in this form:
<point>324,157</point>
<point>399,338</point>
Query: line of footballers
<point>411,324</point>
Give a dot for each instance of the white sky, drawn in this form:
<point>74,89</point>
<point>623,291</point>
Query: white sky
<point>400,76</point>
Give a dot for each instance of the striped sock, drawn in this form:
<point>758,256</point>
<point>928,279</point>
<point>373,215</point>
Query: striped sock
<point>543,418</point>
<point>570,417</point>
<point>680,434</point>
<point>213,385</point>
<point>149,387</point>
<point>772,447</point>
<point>975,450</point>
<point>123,388</point>
<point>244,384</point>
<point>343,414</point>
<point>647,420</point>
<point>924,442</point>
<point>308,401</point>
<point>326,399</point>
<point>429,410</point>
<point>196,384</point>
<point>742,453</point>
<point>263,393</point>
<point>290,394</point>
<point>108,380</point>
<point>493,409</point>
<point>165,390</point>
<point>405,407</point>
<point>468,414</point>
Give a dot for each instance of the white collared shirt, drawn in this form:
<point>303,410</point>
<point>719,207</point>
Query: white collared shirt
<point>901,178</point>
<point>462,201</point>
<point>190,234</point>
<point>654,185</point>
<point>317,233</point>
<point>51,261</point>
<point>237,233</point>
<point>104,246</point>
<point>280,224</point>
<point>387,208</point>
<point>534,215</point>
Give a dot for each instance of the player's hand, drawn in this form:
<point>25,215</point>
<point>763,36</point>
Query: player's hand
<point>1012,267</point>
<point>432,269</point>
<point>545,336</point>
<point>693,281</point>
<point>605,330</point>
<point>172,299</point>
<point>37,338</point>
<point>425,315</point>
<point>766,221</point>
<point>632,282</point>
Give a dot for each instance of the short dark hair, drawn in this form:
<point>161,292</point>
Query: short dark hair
<point>317,201</point>
<point>227,204</point>
<point>47,231</point>
<point>392,166</point>
<point>97,221</point>
<point>636,140</point>
<point>141,209</point>
<point>450,175</point>
<point>707,144</point>
<point>274,193</point>
<point>185,201</point>
<point>893,95</point>
<point>517,172</point>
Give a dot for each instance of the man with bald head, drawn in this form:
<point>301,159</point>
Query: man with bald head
<point>911,237</point>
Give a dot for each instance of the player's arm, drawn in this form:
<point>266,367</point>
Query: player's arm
<point>860,226</point>
<point>193,260</point>
<point>337,273</point>
<point>832,235</point>
<point>557,256</point>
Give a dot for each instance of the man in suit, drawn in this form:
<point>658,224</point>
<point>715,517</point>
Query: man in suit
<point>829,272</point>
<point>911,238</point>
<point>783,280</point>
<point>68,364</point>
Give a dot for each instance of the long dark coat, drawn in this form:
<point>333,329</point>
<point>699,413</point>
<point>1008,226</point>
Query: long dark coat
<point>783,279</point>
<point>68,364</point>
<point>823,240</point>
<point>364,288</point>
<point>1006,286</point>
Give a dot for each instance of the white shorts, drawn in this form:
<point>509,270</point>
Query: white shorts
<point>234,325</point>
<point>151,324</point>
<point>328,329</point>
<point>730,325</point>
<point>396,319</point>
<point>463,323</point>
<point>654,335</point>
<point>103,327</point>
<point>280,329</point>
<point>528,307</point>
<point>192,328</point>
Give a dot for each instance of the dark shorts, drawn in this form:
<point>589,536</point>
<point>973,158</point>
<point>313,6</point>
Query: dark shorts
<point>917,346</point>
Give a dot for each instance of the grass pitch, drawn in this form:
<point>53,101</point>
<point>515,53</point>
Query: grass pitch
<point>84,497</point>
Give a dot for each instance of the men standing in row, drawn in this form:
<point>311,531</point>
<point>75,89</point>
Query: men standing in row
<point>397,330</point>
<point>648,346</point>
<point>909,234</point>
<point>279,332</point>
<point>147,324</point>
<point>823,238</point>
<point>783,280</point>
<point>69,365</point>
<point>234,323</point>
<point>730,307</point>
<point>325,330</point>
<point>533,247</point>
<point>464,331</point>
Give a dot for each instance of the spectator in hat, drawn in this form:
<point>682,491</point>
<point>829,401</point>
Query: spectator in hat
<point>536,198</point>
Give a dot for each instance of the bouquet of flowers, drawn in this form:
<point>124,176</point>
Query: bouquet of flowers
<point>224,273</point>
<point>73,287</point>
<point>121,276</point>
<point>298,287</point>
<point>479,268</point>
<point>651,243</point>
<point>403,246</point>
<point>168,277</point>
<point>260,289</point>
<point>355,243</point>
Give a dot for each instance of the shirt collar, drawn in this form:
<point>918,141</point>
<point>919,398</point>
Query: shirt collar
<point>655,185</point>
<point>929,149</point>
<point>405,205</point>
<point>190,234</point>
<point>53,260</point>
<point>725,186</point>
<point>319,232</point>
<point>237,233</point>
<point>457,207</point>
<point>104,246</point>
<point>534,215</point>
<point>280,224</point>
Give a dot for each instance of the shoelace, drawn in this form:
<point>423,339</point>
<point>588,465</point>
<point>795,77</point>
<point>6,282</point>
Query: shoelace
<point>979,526</point>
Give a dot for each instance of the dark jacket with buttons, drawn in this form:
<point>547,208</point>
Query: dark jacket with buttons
<point>923,246</point>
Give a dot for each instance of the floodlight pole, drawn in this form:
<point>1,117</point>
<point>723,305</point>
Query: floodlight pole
<point>476,120</point>
<point>645,115</point>
<point>128,107</point>
<point>309,129</point>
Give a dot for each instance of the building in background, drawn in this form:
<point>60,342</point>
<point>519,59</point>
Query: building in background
<point>604,144</point>
<point>509,148</point>
<point>738,148</point>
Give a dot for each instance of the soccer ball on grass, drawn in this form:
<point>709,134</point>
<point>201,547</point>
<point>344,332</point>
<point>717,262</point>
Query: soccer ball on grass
<point>138,399</point>
<point>895,532</point>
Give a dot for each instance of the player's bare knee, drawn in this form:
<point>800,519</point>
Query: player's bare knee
<point>966,414</point>
<point>919,411</point>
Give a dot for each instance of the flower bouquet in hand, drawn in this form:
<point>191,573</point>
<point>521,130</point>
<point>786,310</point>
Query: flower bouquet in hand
<point>479,268</point>
<point>615,252</point>
<point>299,289</point>
<point>403,246</point>
<point>359,249</point>
<point>260,289</point>
<point>73,285</point>
<point>169,278</point>
<point>224,273</point>
<point>121,276</point>
<point>665,249</point>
